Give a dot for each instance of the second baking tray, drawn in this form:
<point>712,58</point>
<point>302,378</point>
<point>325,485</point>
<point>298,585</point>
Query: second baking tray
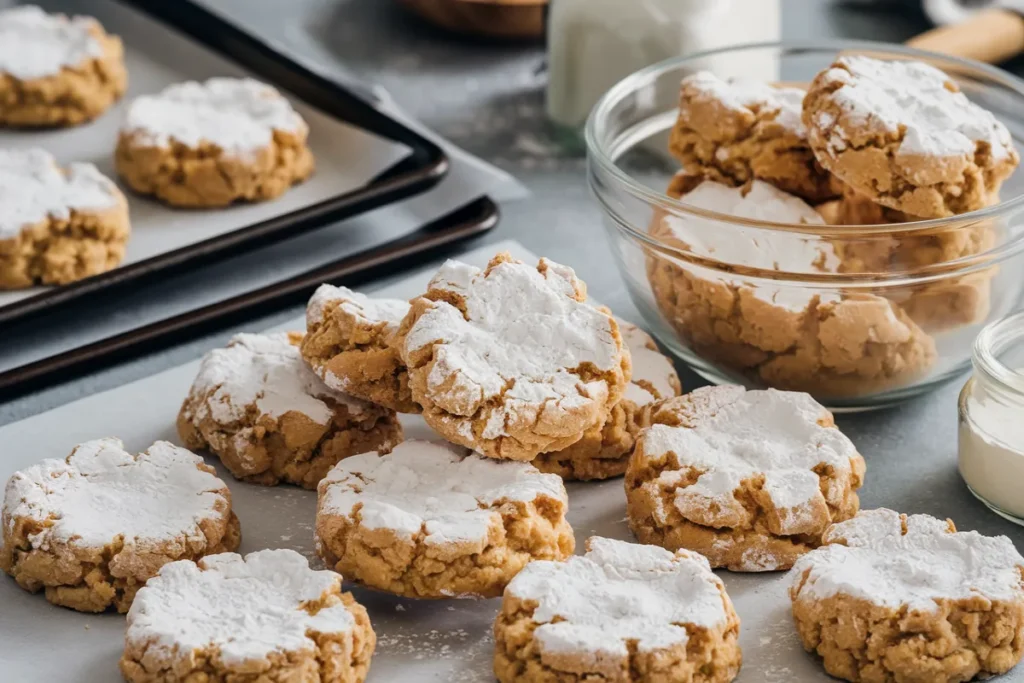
<point>365,159</point>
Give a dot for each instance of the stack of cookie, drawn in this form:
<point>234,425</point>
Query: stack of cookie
<point>870,142</point>
<point>195,145</point>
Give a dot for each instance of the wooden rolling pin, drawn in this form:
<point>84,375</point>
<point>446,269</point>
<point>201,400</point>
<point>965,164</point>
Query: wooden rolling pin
<point>992,35</point>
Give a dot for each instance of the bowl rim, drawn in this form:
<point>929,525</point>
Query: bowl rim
<point>597,155</point>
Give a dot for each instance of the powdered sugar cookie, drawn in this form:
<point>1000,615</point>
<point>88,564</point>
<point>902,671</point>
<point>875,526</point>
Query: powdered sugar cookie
<point>895,598</point>
<point>750,479</point>
<point>511,361</point>
<point>904,135</point>
<point>93,528</point>
<point>57,225</point>
<point>603,451</point>
<point>266,616</point>
<point>56,70</point>
<point>213,143</point>
<point>622,612</point>
<point>431,521</point>
<point>746,130</point>
<point>269,419</point>
<point>347,344</point>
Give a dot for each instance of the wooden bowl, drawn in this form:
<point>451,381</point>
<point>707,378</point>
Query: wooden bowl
<point>507,19</point>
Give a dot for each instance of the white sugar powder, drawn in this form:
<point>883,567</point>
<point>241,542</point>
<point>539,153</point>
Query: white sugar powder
<point>649,366</point>
<point>367,310</point>
<point>34,44</point>
<point>754,96</point>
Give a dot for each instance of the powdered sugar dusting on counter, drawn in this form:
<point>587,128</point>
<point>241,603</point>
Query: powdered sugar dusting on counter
<point>34,44</point>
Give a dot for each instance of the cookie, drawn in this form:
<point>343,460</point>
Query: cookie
<point>603,451</point>
<point>511,361</point>
<point>57,225</point>
<point>750,479</point>
<point>256,406</point>
<point>784,333</point>
<point>892,598</point>
<point>56,70</point>
<point>91,529</point>
<point>902,134</point>
<point>433,521</point>
<point>622,612</point>
<point>263,617</point>
<point>347,344</point>
<point>210,144</point>
<point>746,130</point>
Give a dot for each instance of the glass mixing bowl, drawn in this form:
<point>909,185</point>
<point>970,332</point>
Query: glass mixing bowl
<point>855,329</point>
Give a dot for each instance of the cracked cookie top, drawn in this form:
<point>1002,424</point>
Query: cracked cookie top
<point>265,371</point>
<point>34,189</point>
<point>717,441</point>
<point>363,312</point>
<point>511,361</point>
<point>654,377</point>
<point>35,44</point>
<point>100,492</point>
<point>437,491</point>
<point>717,109</point>
<point>894,560</point>
<point>238,115</point>
<point>238,609</point>
<point>620,594</point>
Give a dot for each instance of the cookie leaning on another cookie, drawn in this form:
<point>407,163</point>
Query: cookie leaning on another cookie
<point>263,617</point>
<point>91,529</point>
<point>56,70</point>
<point>892,598</point>
<point>269,419</point>
<point>432,521</point>
<point>211,144</point>
<point>750,479</point>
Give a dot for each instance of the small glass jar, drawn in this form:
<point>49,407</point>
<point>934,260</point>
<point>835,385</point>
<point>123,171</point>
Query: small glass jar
<point>991,434</point>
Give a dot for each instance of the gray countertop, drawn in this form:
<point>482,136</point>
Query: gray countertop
<point>488,99</point>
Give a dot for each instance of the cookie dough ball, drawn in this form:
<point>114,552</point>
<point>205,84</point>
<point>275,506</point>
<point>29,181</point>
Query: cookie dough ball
<point>512,361</point>
<point>56,70</point>
<point>622,612</point>
<point>269,419</point>
<point>746,130</point>
<point>91,529</point>
<point>57,225</point>
<point>263,617</point>
<point>433,521</point>
<point>892,598</point>
<point>749,479</point>
<point>603,451</point>
<point>211,144</point>
<point>902,134</point>
<point>347,344</point>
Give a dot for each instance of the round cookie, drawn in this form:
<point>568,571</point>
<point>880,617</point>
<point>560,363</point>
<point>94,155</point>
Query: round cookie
<point>622,612</point>
<point>263,617</point>
<point>902,133</point>
<point>431,521</point>
<point>347,344</point>
<point>57,225</point>
<point>604,450</point>
<point>56,70</point>
<point>511,361</point>
<point>214,143</point>
<point>269,419</point>
<point>91,529</point>
<point>892,598</point>
<point>750,479</point>
<point>744,130</point>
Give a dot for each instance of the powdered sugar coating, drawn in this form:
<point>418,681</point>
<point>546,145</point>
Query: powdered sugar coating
<point>238,115</point>
<point>618,593</point>
<point>100,492</point>
<point>891,560</point>
<point>34,44</point>
<point>650,367</point>
<point>364,309</point>
<point>916,100</point>
<point>266,370</point>
<point>441,490</point>
<point>774,434</point>
<point>754,96</point>
<point>34,189</point>
<point>247,608</point>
